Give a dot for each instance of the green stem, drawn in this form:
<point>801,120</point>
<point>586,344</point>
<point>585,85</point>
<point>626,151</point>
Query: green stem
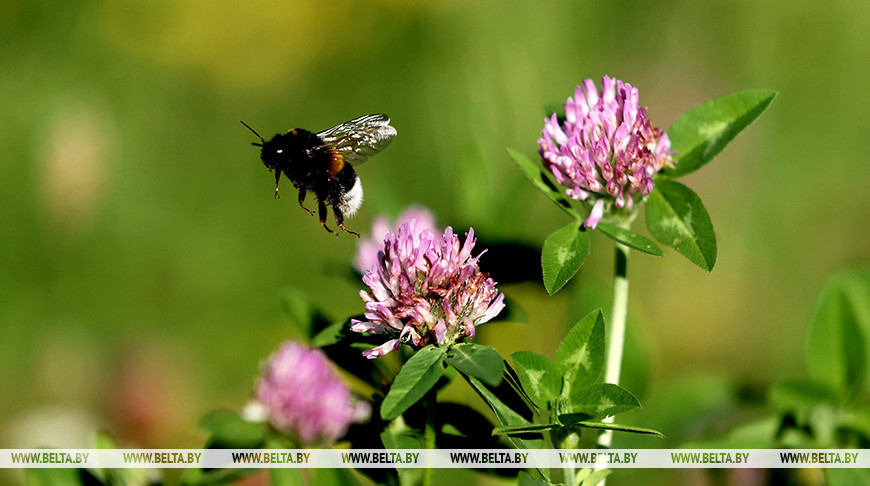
<point>431,401</point>
<point>616,336</point>
<point>571,440</point>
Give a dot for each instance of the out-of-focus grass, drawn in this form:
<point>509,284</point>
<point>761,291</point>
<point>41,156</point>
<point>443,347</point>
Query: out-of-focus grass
<point>142,256</point>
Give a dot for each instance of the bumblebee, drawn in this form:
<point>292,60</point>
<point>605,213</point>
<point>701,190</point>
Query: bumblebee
<point>322,162</point>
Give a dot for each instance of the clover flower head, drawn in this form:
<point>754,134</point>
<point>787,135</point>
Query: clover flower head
<point>426,288</point>
<point>605,151</point>
<point>302,396</point>
<point>368,247</point>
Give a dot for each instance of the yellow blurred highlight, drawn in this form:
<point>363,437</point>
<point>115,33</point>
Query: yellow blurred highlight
<point>75,163</point>
<point>244,44</point>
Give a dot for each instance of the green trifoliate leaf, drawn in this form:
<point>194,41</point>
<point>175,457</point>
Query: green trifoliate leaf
<point>677,218</point>
<point>418,375</point>
<point>563,254</point>
<point>482,362</point>
<point>580,355</point>
<point>629,238</point>
<point>702,132</point>
<point>541,378</point>
<point>603,400</point>
<point>535,173</point>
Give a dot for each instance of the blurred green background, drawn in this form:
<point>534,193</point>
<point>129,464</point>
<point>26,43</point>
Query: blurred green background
<point>143,258</point>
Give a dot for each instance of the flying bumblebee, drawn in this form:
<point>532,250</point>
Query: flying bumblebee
<point>321,162</point>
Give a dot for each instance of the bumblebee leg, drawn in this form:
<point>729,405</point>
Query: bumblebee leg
<point>277,177</point>
<point>339,220</point>
<point>322,212</point>
<point>302,192</point>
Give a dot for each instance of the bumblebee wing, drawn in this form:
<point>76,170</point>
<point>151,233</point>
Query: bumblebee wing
<point>331,135</point>
<point>360,138</point>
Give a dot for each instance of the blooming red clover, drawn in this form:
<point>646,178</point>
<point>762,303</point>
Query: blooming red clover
<point>367,248</point>
<point>304,397</point>
<point>605,151</point>
<point>426,289</point>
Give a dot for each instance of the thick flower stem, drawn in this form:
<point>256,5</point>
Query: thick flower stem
<point>616,336</point>
<point>570,440</point>
<point>431,401</point>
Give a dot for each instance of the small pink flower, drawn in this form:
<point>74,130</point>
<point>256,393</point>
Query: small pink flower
<point>304,397</point>
<point>367,248</point>
<point>426,289</point>
<point>605,152</point>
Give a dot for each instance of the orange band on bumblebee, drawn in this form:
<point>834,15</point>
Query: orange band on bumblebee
<point>336,162</point>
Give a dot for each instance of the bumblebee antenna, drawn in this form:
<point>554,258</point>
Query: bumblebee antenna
<point>255,133</point>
